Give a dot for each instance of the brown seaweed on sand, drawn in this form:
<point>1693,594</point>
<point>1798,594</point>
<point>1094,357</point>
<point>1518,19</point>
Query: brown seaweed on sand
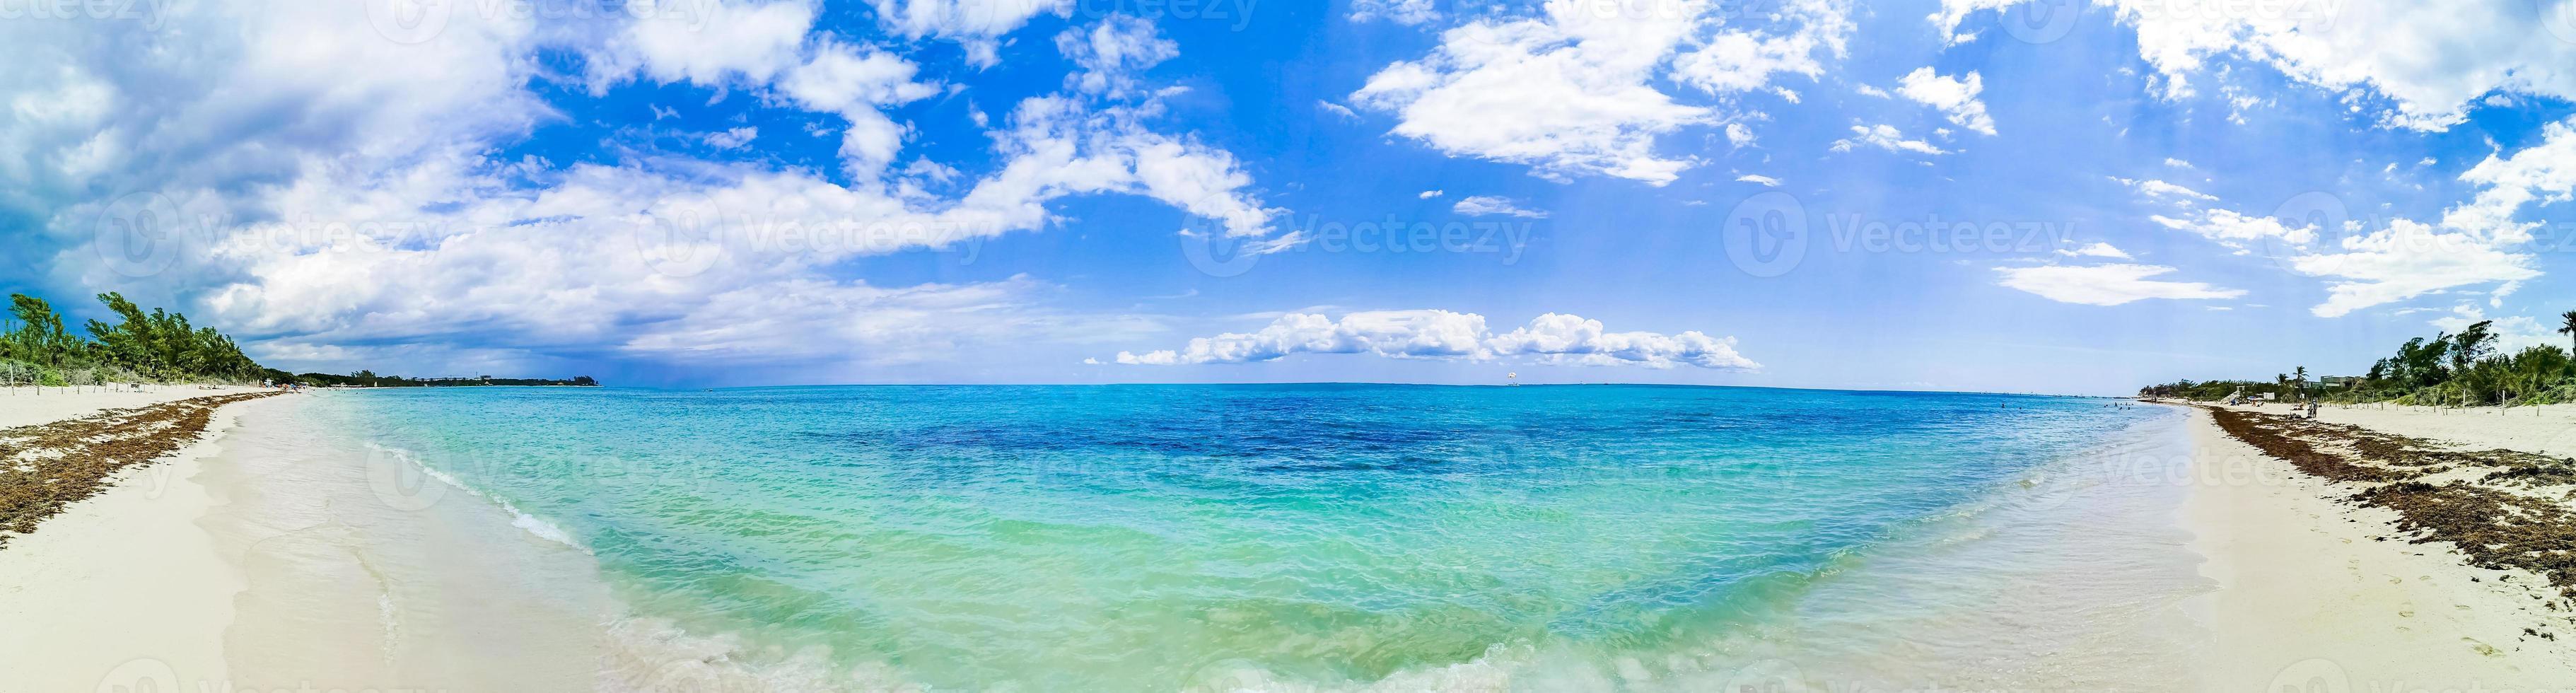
<point>2494,526</point>
<point>2280,437</point>
<point>45,467</point>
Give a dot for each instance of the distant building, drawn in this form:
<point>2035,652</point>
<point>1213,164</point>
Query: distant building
<point>2341,381</point>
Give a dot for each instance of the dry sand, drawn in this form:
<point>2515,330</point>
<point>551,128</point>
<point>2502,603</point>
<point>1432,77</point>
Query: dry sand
<point>23,406</point>
<point>122,588</point>
<point>2309,597</point>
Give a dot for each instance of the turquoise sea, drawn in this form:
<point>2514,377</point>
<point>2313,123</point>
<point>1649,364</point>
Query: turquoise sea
<point>1321,536</point>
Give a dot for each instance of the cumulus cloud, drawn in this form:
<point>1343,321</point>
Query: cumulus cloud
<point>2405,260</point>
<point>733,41</point>
<point>1954,97</point>
<point>2096,249</point>
<point>1405,12</point>
<point>339,191</point>
<point>1553,338</point>
<point>2238,230</point>
<point>2158,188</point>
<point>1574,89</point>
<point>1884,137</point>
<point>2429,61</point>
<point>1110,51</point>
<point>2481,241</point>
<point>733,138</point>
<point>1488,205</point>
<point>976,25</point>
<point>2106,285</point>
<point>2513,333</point>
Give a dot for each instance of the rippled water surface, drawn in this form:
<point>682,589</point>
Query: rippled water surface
<point>1153,537</point>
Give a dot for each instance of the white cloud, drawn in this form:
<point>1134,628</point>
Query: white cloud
<point>843,79</point>
<point>977,25</point>
<point>1439,334</point>
<point>2158,188</point>
<point>2406,260</point>
<point>1764,181</point>
<point>1405,12</point>
<point>1953,96</point>
<point>2513,333</point>
<point>1885,137</point>
<point>276,136</point>
<point>1338,110</point>
<point>765,47</point>
<point>821,321</point>
<point>1488,205</point>
<point>2236,230</point>
<point>752,42</point>
<point>2478,242</point>
<point>2096,249</point>
<point>1743,61</point>
<point>1428,194</point>
<point>1573,91</point>
<point>733,138</point>
<point>2106,285</point>
<point>1111,52</point>
<point>2430,60</point>
<point>2177,163</point>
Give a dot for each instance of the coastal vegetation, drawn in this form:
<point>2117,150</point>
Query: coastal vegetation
<point>370,379</point>
<point>2463,369</point>
<point>159,346</point>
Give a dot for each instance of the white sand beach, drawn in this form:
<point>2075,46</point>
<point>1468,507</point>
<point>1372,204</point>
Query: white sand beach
<point>122,586</point>
<point>2306,592</point>
<point>20,406</point>
<point>145,584</point>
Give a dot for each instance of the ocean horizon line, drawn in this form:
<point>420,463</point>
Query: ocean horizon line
<point>698,388</point>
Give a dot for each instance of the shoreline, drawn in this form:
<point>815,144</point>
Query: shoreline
<point>145,581</point>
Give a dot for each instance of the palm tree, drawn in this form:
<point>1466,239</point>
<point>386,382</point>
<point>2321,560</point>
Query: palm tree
<point>2570,329</point>
<point>2300,377</point>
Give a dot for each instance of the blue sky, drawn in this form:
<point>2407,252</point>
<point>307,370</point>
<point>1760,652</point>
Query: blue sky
<point>1957,195</point>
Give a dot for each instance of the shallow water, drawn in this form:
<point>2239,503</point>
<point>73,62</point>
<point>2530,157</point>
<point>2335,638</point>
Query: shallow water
<point>1271,537</point>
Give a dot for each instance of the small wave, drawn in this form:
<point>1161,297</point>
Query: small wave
<point>656,654</point>
<point>535,526</point>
